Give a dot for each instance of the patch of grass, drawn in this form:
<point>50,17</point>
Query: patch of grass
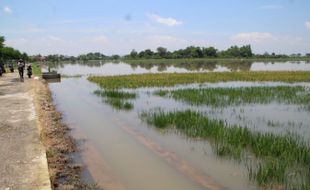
<point>119,104</point>
<point>171,79</point>
<point>281,156</point>
<point>116,94</point>
<point>36,69</point>
<point>221,97</point>
<point>117,98</point>
<point>161,92</point>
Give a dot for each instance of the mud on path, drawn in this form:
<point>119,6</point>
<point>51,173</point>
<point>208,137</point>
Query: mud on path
<point>23,163</point>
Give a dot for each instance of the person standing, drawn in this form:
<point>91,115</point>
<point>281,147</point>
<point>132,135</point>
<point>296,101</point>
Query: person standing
<point>11,67</point>
<point>2,66</point>
<point>29,70</point>
<point>21,68</point>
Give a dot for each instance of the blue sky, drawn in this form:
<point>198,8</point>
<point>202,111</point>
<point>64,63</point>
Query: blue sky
<point>73,27</point>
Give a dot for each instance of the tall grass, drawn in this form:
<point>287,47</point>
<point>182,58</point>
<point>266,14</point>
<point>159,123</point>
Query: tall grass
<point>117,99</point>
<point>116,94</point>
<point>36,69</point>
<point>282,158</point>
<point>221,97</point>
<point>119,104</point>
<point>171,79</point>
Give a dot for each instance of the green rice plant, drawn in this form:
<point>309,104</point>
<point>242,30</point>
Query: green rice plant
<point>171,79</point>
<point>272,123</point>
<point>279,154</point>
<point>117,98</point>
<point>221,97</point>
<point>271,172</point>
<point>119,104</point>
<point>161,92</point>
<point>115,94</point>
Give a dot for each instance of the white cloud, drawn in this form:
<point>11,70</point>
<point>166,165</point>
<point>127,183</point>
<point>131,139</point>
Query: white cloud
<point>307,25</point>
<point>253,37</point>
<point>7,10</point>
<point>270,7</point>
<point>165,21</point>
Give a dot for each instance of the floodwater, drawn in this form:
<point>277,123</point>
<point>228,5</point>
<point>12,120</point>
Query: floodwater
<point>122,68</point>
<point>122,152</point>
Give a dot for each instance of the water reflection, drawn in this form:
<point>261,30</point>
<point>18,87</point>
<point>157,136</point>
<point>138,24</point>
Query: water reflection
<point>172,66</point>
<point>56,80</point>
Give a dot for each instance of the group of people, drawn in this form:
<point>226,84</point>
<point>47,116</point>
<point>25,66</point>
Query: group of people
<point>21,65</point>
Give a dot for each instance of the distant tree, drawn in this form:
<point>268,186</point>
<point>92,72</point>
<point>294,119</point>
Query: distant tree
<point>209,52</point>
<point>146,54</point>
<point>8,53</point>
<point>2,41</point>
<point>233,51</point>
<point>115,56</point>
<point>133,54</point>
<point>246,51</point>
<point>162,52</point>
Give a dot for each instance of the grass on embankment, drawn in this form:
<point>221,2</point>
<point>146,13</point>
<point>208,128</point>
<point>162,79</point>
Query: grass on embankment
<point>171,79</point>
<point>221,97</point>
<point>117,99</point>
<point>36,69</point>
<point>284,161</point>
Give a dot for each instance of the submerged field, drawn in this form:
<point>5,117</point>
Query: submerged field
<point>222,97</point>
<point>163,79</point>
<point>284,161</point>
<point>271,147</point>
<point>117,99</point>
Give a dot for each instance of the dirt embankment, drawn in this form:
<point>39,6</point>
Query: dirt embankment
<point>64,173</point>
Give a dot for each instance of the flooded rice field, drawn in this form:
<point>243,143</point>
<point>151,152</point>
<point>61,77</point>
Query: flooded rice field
<point>122,68</point>
<point>135,138</point>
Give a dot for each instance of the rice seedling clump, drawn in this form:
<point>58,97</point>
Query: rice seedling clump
<point>279,160</point>
<point>171,79</point>
<point>221,97</point>
<point>117,99</point>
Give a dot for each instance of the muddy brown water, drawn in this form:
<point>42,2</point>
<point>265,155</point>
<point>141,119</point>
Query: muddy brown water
<point>122,152</point>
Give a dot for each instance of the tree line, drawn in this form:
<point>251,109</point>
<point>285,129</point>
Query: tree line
<point>82,57</point>
<point>190,52</point>
<point>9,53</point>
<point>201,52</point>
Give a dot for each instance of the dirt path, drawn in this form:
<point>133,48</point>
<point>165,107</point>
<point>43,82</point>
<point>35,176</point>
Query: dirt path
<point>23,162</point>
